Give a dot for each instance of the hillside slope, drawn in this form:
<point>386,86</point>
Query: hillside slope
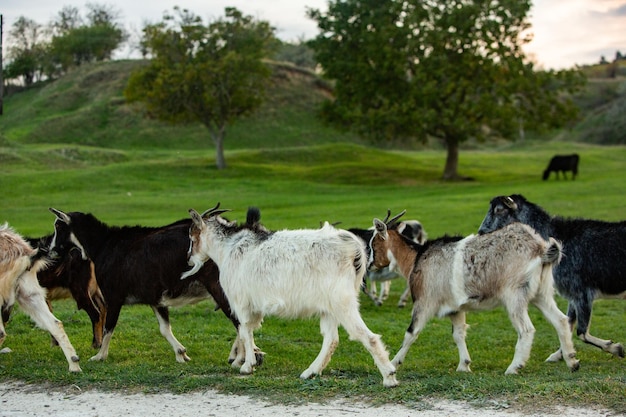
<point>87,107</point>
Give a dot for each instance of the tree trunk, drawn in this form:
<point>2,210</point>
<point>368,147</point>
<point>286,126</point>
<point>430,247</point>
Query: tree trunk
<point>220,161</point>
<point>218,139</point>
<point>452,160</point>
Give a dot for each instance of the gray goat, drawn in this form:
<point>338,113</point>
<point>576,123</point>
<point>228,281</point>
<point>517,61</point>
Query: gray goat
<point>452,275</point>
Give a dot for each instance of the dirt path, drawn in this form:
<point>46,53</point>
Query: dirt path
<point>20,400</point>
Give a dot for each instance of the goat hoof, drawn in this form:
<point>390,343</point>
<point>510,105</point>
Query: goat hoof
<point>513,370</point>
<point>246,370</point>
<point>307,374</point>
<point>575,366</point>
<point>390,381</point>
<point>259,357</point>
<point>75,368</point>
<point>618,350</point>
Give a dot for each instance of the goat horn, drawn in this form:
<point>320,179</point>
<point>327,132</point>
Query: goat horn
<point>388,214</point>
<point>395,218</point>
<point>214,211</point>
<point>508,201</point>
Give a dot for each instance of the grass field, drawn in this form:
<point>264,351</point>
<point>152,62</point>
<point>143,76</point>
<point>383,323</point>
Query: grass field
<point>297,185</point>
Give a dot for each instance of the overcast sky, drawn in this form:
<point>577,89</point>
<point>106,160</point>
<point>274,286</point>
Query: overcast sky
<point>566,32</point>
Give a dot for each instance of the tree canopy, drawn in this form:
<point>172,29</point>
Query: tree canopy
<point>38,52</point>
<point>26,50</point>
<point>452,70</point>
<point>210,74</point>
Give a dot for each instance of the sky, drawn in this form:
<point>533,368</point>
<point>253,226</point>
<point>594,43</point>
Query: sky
<point>565,32</point>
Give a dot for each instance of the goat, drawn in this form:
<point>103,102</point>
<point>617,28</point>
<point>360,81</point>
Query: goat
<point>452,275</point>
<point>68,275</point>
<point>19,264</point>
<point>141,265</point>
<point>413,230</point>
<point>290,274</point>
<point>594,265</point>
<point>562,163</point>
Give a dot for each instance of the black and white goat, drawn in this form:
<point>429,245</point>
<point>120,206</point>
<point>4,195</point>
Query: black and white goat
<point>141,265</point>
<point>594,265</point>
<point>413,230</point>
<point>452,275</point>
<point>19,264</point>
<point>289,273</point>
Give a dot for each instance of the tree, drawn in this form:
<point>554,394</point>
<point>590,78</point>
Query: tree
<point>210,74</point>
<point>75,42</point>
<point>453,70</point>
<point>27,47</point>
<point>67,19</point>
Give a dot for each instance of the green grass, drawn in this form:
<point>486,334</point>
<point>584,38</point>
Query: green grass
<point>91,153</point>
<point>299,187</point>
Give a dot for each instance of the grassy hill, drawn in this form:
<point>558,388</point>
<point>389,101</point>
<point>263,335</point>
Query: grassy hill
<point>87,107</point>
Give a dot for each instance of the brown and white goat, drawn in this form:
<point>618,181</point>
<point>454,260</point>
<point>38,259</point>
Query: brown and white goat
<point>19,264</point>
<point>413,230</point>
<point>452,275</point>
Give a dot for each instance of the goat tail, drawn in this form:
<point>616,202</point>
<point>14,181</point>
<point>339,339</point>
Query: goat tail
<point>39,261</point>
<point>553,254</point>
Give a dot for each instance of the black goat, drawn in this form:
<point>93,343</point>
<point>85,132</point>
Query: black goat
<point>562,163</point>
<point>68,274</point>
<point>593,265</point>
<point>142,265</point>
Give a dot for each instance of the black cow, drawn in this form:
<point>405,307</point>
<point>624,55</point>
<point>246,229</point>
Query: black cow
<point>562,163</point>
<point>593,265</point>
<point>142,265</point>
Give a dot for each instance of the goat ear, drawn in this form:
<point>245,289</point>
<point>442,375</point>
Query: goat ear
<point>60,215</point>
<point>196,218</point>
<point>381,228</point>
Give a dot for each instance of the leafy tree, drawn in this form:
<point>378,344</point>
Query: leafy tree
<point>211,74</point>
<point>75,42</point>
<point>453,70</point>
<point>67,19</point>
<point>27,47</point>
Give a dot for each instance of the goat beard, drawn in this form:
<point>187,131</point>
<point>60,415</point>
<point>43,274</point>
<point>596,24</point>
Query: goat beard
<point>196,263</point>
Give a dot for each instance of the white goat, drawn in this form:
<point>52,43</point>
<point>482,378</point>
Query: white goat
<point>19,264</point>
<point>290,274</point>
<point>452,275</point>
